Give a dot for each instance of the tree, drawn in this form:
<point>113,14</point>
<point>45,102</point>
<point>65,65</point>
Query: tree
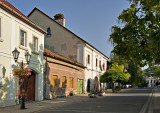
<point>138,39</point>
<point>117,73</point>
<point>154,69</point>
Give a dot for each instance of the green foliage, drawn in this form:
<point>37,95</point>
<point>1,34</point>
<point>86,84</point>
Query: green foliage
<point>138,40</point>
<point>157,74</point>
<point>137,75</point>
<point>154,69</point>
<point>117,73</point>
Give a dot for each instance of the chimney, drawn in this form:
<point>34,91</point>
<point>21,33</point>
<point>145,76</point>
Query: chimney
<point>60,19</point>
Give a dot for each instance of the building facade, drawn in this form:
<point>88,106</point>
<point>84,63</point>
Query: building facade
<point>151,79</point>
<point>64,42</point>
<point>17,31</point>
<point>62,76</point>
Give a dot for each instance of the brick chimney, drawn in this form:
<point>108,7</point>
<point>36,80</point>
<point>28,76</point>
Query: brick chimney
<point>60,19</point>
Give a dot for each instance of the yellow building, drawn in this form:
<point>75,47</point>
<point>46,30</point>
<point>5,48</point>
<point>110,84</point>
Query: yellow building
<point>17,31</point>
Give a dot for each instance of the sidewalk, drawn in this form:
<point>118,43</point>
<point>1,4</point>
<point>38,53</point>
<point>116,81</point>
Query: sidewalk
<point>155,101</point>
<point>32,107</point>
<point>45,104</point>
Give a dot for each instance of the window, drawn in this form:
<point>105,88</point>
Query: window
<point>0,27</point>
<point>1,24</point>
<point>88,59</point>
<point>96,62</point>
<point>35,43</point>
<point>100,63</point>
<point>23,38</point>
<point>49,31</point>
<point>71,82</point>
<point>1,75</point>
<point>64,81</point>
<point>54,81</point>
<point>106,65</point>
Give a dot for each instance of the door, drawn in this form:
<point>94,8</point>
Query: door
<point>88,85</point>
<point>96,84</point>
<point>80,86</point>
<point>29,87</point>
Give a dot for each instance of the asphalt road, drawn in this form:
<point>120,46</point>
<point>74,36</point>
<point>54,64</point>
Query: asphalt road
<point>131,101</point>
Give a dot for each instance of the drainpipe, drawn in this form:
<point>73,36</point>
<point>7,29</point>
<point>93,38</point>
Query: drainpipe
<point>92,64</point>
<point>45,76</point>
<point>92,71</point>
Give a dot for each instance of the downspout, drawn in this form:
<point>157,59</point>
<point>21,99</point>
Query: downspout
<point>92,72</point>
<point>45,77</point>
<point>92,64</point>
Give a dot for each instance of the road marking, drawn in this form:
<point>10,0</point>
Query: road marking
<point>147,104</point>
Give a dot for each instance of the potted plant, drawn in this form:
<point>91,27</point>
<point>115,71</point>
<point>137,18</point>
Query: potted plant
<point>71,93</point>
<point>101,92</point>
<point>92,95</point>
<point>22,72</point>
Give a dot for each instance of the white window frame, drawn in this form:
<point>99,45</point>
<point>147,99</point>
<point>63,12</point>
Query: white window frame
<point>1,76</point>
<point>37,46</point>
<point>25,40</point>
<point>1,28</point>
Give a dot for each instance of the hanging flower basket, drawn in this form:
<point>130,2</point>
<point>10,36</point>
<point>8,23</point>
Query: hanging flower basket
<point>22,72</point>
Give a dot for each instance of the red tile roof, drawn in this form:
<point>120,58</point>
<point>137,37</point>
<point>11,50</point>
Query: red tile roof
<point>62,58</point>
<point>14,11</point>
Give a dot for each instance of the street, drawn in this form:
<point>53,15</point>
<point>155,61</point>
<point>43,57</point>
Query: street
<point>130,101</point>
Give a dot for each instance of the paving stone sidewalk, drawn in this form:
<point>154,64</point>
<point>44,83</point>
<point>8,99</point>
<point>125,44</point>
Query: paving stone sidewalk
<point>32,107</point>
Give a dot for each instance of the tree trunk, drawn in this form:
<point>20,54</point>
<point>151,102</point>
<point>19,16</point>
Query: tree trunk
<point>113,87</point>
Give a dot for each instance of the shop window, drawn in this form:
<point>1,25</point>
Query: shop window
<point>71,82</point>
<point>54,81</point>
<point>64,82</point>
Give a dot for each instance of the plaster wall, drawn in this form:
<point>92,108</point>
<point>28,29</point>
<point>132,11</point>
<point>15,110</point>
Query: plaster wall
<point>11,38</point>
<point>60,69</point>
<point>61,41</point>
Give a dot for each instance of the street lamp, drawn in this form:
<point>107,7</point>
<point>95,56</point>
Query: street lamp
<point>27,56</point>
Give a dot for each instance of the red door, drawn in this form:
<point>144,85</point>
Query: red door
<point>29,87</point>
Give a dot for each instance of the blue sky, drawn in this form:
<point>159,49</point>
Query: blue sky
<point>90,19</point>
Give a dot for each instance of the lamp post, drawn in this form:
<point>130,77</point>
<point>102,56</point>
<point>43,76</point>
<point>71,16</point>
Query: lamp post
<point>27,56</point>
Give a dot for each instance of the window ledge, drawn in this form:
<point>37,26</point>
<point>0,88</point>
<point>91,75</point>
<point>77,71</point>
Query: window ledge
<point>23,47</point>
<point>1,40</point>
<point>35,52</point>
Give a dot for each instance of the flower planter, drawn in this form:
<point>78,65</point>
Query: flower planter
<point>101,94</point>
<point>92,95</point>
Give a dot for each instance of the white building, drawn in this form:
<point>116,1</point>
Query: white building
<point>92,59</point>
<point>64,42</point>
<point>151,80</point>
